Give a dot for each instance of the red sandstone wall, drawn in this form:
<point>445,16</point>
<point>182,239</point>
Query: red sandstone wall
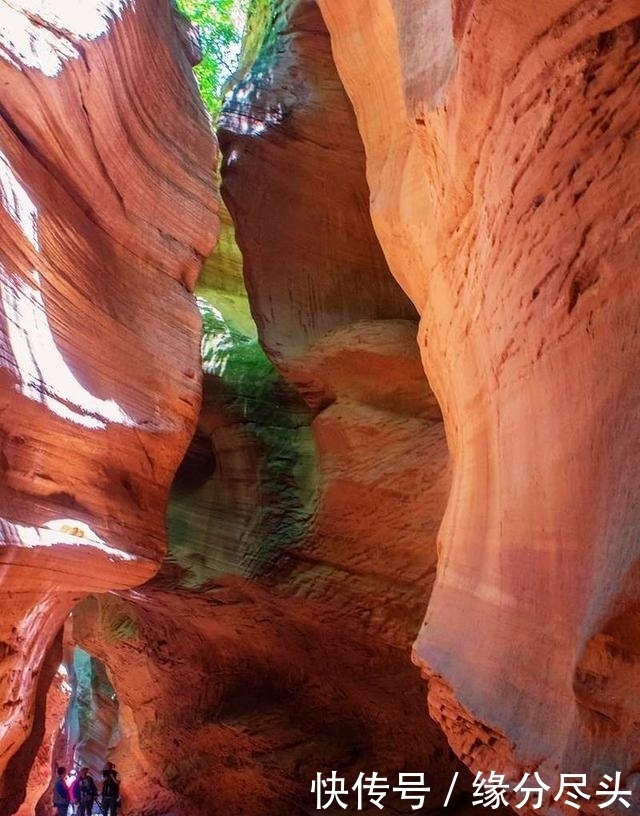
<point>502,158</point>
<point>106,213</point>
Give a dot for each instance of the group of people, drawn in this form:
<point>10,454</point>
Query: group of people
<point>84,792</point>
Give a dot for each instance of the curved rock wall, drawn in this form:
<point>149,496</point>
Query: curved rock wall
<point>33,758</point>
<point>501,154</point>
<point>106,160</point>
<point>217,678</point>
<point>505,199</point>
<point>220,696</point>
<point>92,716</point>
<point>337,327</point>
<point>290,126</point>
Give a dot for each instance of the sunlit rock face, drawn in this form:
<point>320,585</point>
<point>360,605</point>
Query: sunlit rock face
<point>502,157</point>
<point>107,211</point>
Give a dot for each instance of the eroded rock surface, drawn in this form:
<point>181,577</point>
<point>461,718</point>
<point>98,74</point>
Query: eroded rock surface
<point>335,324</point>
<point>236,701</point>
<point>34,755</point>
<point>326,512</point>
<point>106,160</point>
<point>338,329</point>
<point>502,167</point>
<point>504,194</point>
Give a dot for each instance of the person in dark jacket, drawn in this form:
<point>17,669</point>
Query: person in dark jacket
<point>86,793</point>
<point>61,796</point>
<point>110,789</point>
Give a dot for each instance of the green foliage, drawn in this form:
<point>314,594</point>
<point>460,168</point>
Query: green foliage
<point>273,412</point>
<point>259,19</point>
<point>238,359</point>
<point>220,41</point>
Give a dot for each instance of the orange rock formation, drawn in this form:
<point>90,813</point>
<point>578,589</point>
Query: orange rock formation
<point>502,158</point>
<point>486,157</point>
<point>107,210</point>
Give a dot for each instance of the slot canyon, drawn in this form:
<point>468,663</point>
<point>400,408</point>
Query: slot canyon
<point>317,425</point>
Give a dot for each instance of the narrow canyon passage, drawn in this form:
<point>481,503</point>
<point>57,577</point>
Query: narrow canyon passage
<point>294,542</point>
<point>270,398</point>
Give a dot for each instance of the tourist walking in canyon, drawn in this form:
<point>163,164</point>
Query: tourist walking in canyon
<point>61,796</point>
<point>86,793</point>
<point>110,789</point>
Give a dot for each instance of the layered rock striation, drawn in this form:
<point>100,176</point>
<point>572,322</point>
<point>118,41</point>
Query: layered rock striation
<point>334,323</point>
<point>106,159</point>
<point>490,165</point>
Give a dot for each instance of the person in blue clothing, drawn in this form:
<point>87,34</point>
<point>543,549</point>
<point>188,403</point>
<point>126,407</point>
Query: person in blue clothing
<point>61,793</point>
